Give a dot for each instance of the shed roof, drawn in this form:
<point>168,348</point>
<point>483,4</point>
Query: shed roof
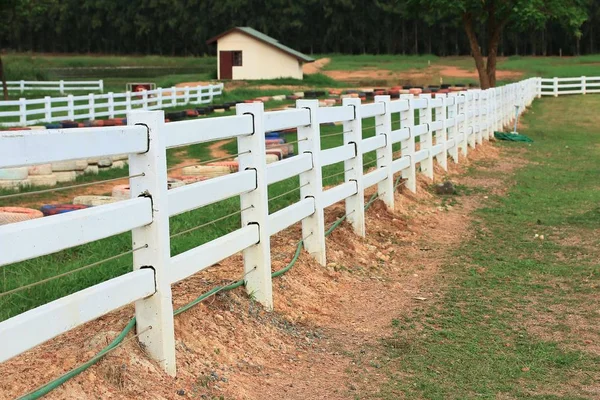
<point>265,39</point>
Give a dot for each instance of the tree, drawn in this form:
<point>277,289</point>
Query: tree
<point>485,20</point>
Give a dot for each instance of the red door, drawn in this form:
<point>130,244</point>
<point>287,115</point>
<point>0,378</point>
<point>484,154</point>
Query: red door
<point>225,64</point>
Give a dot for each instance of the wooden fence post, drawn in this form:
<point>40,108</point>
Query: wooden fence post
<point>173,96</point>
<point>22,86</point>
<point>92,106</point>
<point>407,147</point>
<point>71,107</point>
<point>311,183</point>
<point>451,131</point>
<point>111,105</point>
<point>441,136</point>
<point>101,85</point>
<point>145,99</point>
<point>48,109</point>
<point>383,126</point>
<point>198,95</point>
<point>555,87</point>
<point>355,205</point>
<point>255,206</point>
<point>426,140</point>
<point>159,98</point>
<point>583,91</point>
<point>23,111</point>
<point>155,311</point>
<point>464,126</point>
<point>187,94</point>
<point>61,86</point>
<point>128,101</point>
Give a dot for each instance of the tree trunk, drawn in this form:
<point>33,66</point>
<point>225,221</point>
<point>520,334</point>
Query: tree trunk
<point>416,38</point>
<point>3,78</point>
<point>476,51</point>
<point>494,40</point>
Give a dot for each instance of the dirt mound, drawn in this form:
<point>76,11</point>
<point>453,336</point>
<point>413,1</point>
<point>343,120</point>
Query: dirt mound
<point>229,346</point>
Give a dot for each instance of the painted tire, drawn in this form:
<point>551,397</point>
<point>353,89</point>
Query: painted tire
<point>9,215</point>
<point>173,183</point>
<point>42,169</point>
<point>53,209</point>
<point>91,169</point>
<point>63,166</point>
<point>274,141</point>
<point>14,174</point>
<point>271,158</point>
<point>91,200</point>
<point>275,152</point>
<point>14,184</point>
<point>43,180</point>
<point>205,170</point>
<point>189,179</point>
<point>121,192</point>
<point>283,147</point>
<point>233,166</point>
<point>120,157</point>
<point>119,164</point>
<point>105,162</point>
<point>69,124</point>
<point>65,176</point>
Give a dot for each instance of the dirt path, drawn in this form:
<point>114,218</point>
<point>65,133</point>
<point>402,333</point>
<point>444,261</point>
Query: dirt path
<point>314,67</point>
<point>228,346</point>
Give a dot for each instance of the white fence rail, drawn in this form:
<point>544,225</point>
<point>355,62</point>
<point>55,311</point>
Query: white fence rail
<point>92,106</point>
<point>55,86</point>
<point>448,125</point>
<point>561,86</point>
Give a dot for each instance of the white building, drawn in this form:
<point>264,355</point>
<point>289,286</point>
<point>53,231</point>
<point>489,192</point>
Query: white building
<point>245,53</point>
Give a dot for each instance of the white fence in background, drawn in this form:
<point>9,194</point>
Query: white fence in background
<point>560,86</point>
<point>24,112</point>
<point>55,86</point>
<point>448,125</point>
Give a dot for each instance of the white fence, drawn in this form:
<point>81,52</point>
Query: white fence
<point>447,126</point>
<point>559,86</point>
<point>91,106</point>
<point>55,86</point>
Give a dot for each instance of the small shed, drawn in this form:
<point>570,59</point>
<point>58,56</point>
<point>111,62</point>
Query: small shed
<point>245,53</point>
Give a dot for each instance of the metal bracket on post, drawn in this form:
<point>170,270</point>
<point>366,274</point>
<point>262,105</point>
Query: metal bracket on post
<point>408,146</point>
<point>257,258</point>
<point>155,311</point>
<point>311,183</point>
<point>383,126</point>
<point>355,205</point>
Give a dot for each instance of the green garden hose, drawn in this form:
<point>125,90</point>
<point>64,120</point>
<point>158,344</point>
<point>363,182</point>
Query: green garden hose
<point>50,386</point>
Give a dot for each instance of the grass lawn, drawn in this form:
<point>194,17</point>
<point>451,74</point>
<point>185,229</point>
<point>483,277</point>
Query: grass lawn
<point>518,317</point>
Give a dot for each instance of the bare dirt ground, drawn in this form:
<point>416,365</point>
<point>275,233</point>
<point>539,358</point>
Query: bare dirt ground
<point>426,76</point>
<point>314,67</point>
<point>228,346</point>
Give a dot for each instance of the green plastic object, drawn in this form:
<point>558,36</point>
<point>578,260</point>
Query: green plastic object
<point>513,137</point>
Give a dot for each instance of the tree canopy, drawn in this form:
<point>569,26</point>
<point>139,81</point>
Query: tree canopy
<point>181,27</point>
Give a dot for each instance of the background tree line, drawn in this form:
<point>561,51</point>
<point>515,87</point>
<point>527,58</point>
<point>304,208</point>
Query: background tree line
<point>181,27</point>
